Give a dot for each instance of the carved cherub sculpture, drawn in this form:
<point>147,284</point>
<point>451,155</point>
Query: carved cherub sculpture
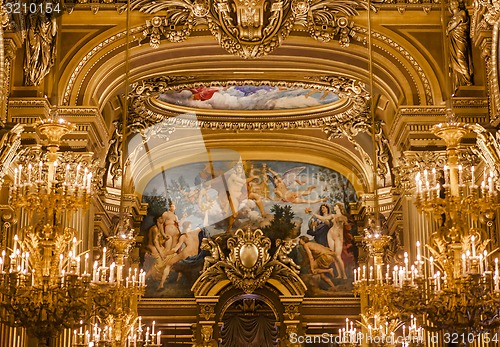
<point>208,244</point>
<point>284,248</point>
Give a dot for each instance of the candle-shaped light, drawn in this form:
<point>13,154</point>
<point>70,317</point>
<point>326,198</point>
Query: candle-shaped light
<point>464,266</point>
<point>95,277</point>
<point>104,257</point>
<point>77,174</point>
<point>473,178</point>
<point>89,182</point>
<point>473,240</point>
<point>40,169</point>
<point>74,246</point>
<point>30,169</point>
<point>61,257</point>
<point>85,171</point>
<point>86,264</point>
<point>485,254</point>
<point>418,249</point>
<point>16,238</point>
<point>371,273</point>
<point>446,174</point>
<point>158,337</point>
<point>460,176</point>
<point>496,265</point>
<point>112,272</point>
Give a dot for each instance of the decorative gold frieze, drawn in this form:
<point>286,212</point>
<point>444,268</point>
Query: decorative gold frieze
<point>248,265</point>
<point>251,29</point>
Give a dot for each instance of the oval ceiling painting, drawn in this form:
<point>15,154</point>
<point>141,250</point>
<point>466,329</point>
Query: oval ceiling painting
<point>247,97</point>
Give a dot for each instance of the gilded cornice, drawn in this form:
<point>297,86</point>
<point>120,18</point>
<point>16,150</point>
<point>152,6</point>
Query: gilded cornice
<point>91,132</point>
<point>415,123</point>
<point>427,90</point>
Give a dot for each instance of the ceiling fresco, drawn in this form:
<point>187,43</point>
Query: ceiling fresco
<point>249,97</point>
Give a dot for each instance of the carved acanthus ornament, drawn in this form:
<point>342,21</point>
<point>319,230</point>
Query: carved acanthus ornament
<point>141,117</point>
<point>9,145</point>
<point>487,147</point>
<point>412,162</point>
<point>248,264</point>
<point>251,29</point>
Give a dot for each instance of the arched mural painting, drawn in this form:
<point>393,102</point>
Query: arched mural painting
<point>294,200</point>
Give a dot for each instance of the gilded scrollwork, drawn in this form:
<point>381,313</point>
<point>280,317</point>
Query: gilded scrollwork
<point>141,117</point>
<point>251,29</point>
<point>411,162</point>
<point>292,310</point>
<point>207,311</point>
<point>10,141</point>
<point>248,264</point>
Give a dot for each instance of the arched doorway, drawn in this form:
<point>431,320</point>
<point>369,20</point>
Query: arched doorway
<point>249,320</point>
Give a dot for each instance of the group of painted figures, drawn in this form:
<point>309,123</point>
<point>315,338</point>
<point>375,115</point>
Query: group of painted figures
<point>173,241</point>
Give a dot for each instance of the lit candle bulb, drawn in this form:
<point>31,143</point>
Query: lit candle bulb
<point>104,257</point>
<point>418,249</point>
<point>473,179</point>
<point>112,272</point>
<point>16,238</point>
<point>30,168</point>
<point>86,264</point>
<point>485,253</point>
<point>473,239</point>
<point>464,269</point>
<point>61,257</point>
<point>158,337</point>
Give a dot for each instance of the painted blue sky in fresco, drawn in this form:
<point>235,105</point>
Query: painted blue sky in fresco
<point>248,98</point>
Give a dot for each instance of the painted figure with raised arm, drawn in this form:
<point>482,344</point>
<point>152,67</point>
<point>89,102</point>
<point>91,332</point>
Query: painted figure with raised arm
<point>335,236</point>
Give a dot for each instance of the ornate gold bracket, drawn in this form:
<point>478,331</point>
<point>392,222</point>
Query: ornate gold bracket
<point>251,29</point>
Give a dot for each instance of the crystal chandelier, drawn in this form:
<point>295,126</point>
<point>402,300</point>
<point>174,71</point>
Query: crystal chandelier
<point>116,292</point>
<point>455,289</point>
<point>104,335</point>
<point>47,283</point>
<point>381,324</point>
<point>43,281</point>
